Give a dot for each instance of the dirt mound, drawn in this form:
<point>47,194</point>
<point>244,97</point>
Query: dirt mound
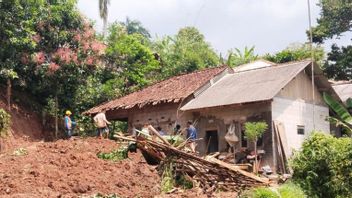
<point>71,168</point>
<point>25,126</point>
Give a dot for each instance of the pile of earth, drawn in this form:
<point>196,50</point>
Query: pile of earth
<point>71,168</point>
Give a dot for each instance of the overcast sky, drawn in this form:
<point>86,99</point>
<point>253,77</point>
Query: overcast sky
<point>269,25</point>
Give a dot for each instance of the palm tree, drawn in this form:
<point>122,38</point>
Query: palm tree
<point>135,26</point>
<point>236,57</point>
<point>103,10</point>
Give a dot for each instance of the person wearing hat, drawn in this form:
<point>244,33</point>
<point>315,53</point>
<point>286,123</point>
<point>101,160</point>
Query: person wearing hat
<point>68,124</point>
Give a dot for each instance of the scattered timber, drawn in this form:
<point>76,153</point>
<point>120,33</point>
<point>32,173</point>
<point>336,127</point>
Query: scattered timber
<point>210,173</point>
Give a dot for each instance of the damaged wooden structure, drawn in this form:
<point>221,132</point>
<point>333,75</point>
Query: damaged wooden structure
<point>220,97</point>
<point>210,173</point>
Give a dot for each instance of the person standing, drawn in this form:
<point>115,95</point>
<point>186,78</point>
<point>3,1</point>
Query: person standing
<point>102,124</point>
<point>191,136</point>
<point>69,124</point>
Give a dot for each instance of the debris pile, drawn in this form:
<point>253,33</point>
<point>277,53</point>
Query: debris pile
<point>209,172</point>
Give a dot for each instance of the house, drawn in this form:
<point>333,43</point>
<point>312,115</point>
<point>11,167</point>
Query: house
<point>343,90</point>
<point>216,98</point>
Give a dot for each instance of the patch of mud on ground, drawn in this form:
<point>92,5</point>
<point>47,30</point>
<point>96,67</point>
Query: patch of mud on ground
<point>70,168</point>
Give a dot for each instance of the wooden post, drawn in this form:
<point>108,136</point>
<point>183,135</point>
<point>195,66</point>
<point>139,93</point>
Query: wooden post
<point>56,116</point>
<point>9,94</point>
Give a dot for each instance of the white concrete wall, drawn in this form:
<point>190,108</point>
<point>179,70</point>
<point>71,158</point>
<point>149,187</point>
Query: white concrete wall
<point>297,112</point>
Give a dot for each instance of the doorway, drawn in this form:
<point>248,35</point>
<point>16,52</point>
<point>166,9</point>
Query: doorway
<point>212,142</point>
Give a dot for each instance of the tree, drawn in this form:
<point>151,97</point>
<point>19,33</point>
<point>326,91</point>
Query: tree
<point>335,19</point>
<point>130,59</point>
<point>185,52</point>
<point>135,27</point>
<point>322,167</point>
<point>103,12</point>
<point>236,57</point>
<point>16,19</point>
<point>253,131</point>
<point>297,52</point>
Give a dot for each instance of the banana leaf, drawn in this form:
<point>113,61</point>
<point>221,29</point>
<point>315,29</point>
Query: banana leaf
<point>349,103</point>
<point>339,109</point>
<point>339,123</point>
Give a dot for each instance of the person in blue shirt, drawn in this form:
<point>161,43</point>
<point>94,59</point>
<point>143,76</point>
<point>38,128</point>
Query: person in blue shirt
<point>69,124</point>
<point>191,136</point>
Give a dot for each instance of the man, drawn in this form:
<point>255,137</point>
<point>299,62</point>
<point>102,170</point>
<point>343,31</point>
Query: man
<point>160,130</point>
<point>191,136</point>
<point>102,124</point>
<point>69,124</point>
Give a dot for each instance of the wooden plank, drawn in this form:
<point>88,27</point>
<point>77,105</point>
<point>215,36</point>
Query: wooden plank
<point>282,135</point>
<point>279,150</point>
<point>237,169</point>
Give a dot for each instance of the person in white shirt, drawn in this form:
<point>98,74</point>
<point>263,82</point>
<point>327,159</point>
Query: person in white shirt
<point>102,124</point>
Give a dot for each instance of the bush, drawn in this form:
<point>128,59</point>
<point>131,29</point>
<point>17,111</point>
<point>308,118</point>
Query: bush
<point>5,122</point>
<point>323,168</point>
<point>290,190</point>
<point>260,193</point>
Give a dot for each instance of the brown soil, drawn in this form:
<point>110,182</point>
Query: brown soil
<point>70,168</point>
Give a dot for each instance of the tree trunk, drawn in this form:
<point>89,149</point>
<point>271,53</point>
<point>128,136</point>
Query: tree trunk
<point>255,159</point>
<point>8,95</point>
<point>56,117</point>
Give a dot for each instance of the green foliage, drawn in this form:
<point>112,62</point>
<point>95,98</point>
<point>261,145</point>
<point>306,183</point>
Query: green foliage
<point>115,155</point>
<point>345,118</point>
<point>20,152</point>
<point>167,179</point>
<point>184,182</point>
<point>185,52</point>
<point>296,52</point>
<point>323,167</point>
<point>291,190</point>
<point>130,59</point>
<point>260,193</point>
<point>339,63</point>
<point>335,19</point>
<point>254,130</point>
<point>135,27</point>
<point>236,57</point>
<point>5,122</point>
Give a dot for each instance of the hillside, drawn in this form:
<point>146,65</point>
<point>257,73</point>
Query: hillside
<point>25,126</point>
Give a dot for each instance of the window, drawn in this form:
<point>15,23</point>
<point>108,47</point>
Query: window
<point>300,129</point>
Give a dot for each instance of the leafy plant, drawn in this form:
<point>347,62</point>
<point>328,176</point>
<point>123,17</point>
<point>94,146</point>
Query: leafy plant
<point>167,178</point>
<point>253,131</point>
<point>260,193</point>
<point>20,152</point>
<point>236,57</point>
<point>115,155</point>
<point>291,190</point>
<point>5,122</point>
<point>345,118</point>
<point>323,167</point>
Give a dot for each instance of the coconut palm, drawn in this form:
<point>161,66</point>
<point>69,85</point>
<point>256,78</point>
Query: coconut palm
<point>103,10</point>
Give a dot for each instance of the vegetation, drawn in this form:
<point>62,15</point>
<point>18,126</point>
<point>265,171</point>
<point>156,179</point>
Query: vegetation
<point>287,190</point>
<point>297,52</point>
<point>236,57</point>
<point>344,117</point>
<point>253,131</point>
<point>335,19</point>
<point>5,122</point>
<point>323,167</point>
<point>20,152</point>
<point>115,155</point>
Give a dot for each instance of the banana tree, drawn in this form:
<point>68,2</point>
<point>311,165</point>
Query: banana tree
<point>9,75</point>
<point>344,117</point>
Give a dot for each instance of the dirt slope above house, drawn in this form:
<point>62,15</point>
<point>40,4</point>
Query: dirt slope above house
<point>25,126</point>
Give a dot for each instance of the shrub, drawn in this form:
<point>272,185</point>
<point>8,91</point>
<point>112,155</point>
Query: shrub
<point>260,193</point>
<point>5,122</point>
<point>323,167</point>
<point>115,155</point>
<point>291,190</point>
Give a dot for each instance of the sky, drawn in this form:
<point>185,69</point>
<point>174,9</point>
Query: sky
<point>269,25</point>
